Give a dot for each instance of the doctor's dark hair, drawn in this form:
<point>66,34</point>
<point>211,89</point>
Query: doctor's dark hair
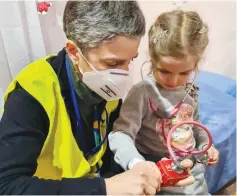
<point>92,23</point>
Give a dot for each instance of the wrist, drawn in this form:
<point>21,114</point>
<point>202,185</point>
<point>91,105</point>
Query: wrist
<point>134,161</point>
<point>206,145</point>
<point>107,186</point>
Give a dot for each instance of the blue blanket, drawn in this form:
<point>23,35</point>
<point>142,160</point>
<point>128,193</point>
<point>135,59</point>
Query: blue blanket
<point>218,112</point>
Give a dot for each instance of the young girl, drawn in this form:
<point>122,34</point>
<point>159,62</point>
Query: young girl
<point>177,41</point>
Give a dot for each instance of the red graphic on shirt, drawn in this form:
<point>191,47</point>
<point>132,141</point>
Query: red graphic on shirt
<point>185,113</point>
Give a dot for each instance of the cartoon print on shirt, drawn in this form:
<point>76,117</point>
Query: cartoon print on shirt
<point>183,136</point>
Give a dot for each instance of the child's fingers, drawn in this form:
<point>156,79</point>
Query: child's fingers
<point>210,163</point>
<point>186,163</point>
<point>216,155</point>
<point>213,159</point>
<point>188,181</point>
<point>189,171</point>
<point>211,154</point>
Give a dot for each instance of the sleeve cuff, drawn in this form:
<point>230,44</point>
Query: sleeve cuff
<point>202,145</point>
<point>134,161</point>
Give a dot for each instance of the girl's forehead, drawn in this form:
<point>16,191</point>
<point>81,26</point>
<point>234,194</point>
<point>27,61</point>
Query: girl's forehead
<point>181,64</point>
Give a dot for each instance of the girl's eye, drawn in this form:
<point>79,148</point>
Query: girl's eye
<point>111,65</point>
<point>163,72</point>
<point>184,74</point>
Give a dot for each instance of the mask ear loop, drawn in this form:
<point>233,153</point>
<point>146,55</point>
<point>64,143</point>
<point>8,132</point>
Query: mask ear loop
<point>91,66</point>
<point>79,50</point>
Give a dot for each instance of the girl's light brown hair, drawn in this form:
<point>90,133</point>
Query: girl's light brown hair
<point>177,34</point>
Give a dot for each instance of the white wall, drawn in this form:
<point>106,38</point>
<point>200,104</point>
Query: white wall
<point>21,40</point>
<point>51,25</point>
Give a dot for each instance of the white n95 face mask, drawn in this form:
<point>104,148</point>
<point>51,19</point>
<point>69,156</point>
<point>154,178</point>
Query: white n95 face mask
<point>110,84</point>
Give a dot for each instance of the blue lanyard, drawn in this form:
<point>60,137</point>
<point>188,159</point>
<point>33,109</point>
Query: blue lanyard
<point>97,136</point>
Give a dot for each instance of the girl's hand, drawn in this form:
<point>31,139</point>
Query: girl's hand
<point>186,163</point>
<point>213,155</point>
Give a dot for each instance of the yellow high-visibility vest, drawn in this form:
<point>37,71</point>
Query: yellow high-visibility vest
<point>60,156</point>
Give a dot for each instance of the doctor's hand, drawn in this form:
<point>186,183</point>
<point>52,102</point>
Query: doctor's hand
<point>131,182</point>
<point>150,171</point>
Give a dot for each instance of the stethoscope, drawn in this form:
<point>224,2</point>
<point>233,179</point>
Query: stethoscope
<point>171,114</point>
<point>79,122</point>
<point>177,160</point>
<point>176,108</point>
